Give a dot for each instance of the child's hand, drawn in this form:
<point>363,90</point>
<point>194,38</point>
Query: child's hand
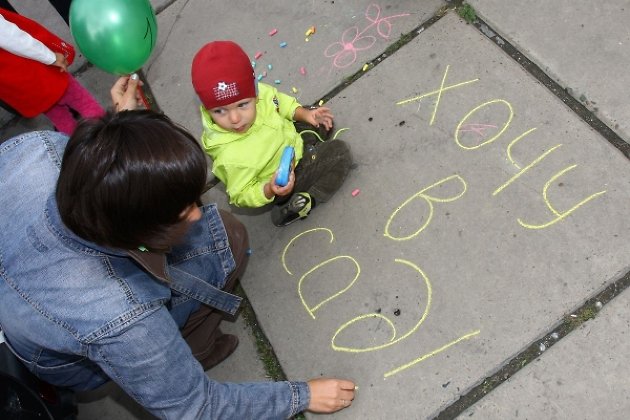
<point>321,115</point>
<point>272,189</point>
<point>61,62</point>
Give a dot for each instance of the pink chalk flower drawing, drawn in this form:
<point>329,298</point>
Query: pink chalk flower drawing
<point>353,40</point>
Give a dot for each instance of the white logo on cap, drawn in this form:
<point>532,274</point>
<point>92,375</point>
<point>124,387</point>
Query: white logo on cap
<point>224,91</point>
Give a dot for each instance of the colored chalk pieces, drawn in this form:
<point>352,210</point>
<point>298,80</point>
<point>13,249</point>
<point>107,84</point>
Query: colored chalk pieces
<point>302,71</point>
<point>277,81</point>
<point>366,66</point>
<point>269,66</point>
<point>273,32</point>
<point>294,89</point>
<point>283,44</point>
<point>310,31</point>
<point>355,192</point>
<point>258,55</point>
<point>259,77</point>
<point>253,64</point>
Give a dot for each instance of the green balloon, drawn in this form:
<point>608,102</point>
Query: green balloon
<point>116,35</point>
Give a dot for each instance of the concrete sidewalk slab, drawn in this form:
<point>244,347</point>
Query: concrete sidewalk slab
<point>583,45</point>
<point>473,232</point>
<point>584,376</point>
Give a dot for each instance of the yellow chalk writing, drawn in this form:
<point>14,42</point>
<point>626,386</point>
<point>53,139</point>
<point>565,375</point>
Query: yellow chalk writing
<point>438,92</point>
<point>286,248</point>
<point>513,142</point>
<point>496,136</point>
<point>311,310</point>
<point>525,169</point>
<point>393,340</point>
<point>430,354</point>
<point>559,215</point>
<point>429,199</point>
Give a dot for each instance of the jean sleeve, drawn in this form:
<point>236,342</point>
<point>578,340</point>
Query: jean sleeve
<point>151,361</point>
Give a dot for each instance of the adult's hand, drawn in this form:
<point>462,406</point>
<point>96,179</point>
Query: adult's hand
<point>329,395</point>
<point>125,94</point>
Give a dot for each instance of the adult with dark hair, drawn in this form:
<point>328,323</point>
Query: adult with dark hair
<point>109,270</point>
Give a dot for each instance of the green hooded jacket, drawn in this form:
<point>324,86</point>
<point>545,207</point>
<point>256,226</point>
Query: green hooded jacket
<point>245,162</point>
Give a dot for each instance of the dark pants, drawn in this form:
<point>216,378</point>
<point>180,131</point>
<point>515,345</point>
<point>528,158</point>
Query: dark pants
<point>62,6</point>
<point>202,328</point>
<point>322,169</point>
<point>6,5</point>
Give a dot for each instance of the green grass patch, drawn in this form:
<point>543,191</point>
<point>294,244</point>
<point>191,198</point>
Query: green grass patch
<point>263,346</point>
<point>467,13</point>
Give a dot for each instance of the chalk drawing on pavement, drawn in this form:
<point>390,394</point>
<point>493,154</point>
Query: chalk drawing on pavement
<point>429,199</point>
<point>344,52</point>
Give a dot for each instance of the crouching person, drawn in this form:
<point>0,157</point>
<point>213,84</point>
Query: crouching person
<point>110,271</point>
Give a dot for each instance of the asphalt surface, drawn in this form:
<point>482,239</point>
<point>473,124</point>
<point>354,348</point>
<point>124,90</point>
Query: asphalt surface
<point>474,263</point>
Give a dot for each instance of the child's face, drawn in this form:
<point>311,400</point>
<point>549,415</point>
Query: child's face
<point>237,117</point>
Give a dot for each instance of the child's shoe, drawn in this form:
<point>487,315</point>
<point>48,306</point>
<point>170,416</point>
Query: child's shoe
<point>297,207</point>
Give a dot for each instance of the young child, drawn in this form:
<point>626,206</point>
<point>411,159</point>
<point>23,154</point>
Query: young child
<point>247,126</point>
<point>34,74</point>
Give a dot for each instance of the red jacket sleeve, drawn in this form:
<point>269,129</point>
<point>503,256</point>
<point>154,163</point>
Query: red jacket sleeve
<point>40,33</point>
<point>26,85</point>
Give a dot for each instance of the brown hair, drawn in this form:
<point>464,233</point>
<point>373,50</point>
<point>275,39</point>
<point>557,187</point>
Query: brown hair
<point>126,178</point>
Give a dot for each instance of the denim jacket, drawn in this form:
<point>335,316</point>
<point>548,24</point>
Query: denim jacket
<point>78,314</point>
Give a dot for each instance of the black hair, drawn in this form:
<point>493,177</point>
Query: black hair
<point>126,178</point>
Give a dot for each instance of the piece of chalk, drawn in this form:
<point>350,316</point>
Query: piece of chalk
<point>355,192</point>
<point>258,55</point>
<point>249,252</point>
<point>277,81</point>
<point>269,66</point>
<point>264,74</point>
<point>305,39</point>
<point>259,77</point>
<point>310,31</point>
<point>273,32</point>
<point>365,67</point>
<point>134,76</point>
<point>302,71</point>
<point>253,64</point>
<point>283,44</point>
<point>321,102</point>
<point>294,89</point>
